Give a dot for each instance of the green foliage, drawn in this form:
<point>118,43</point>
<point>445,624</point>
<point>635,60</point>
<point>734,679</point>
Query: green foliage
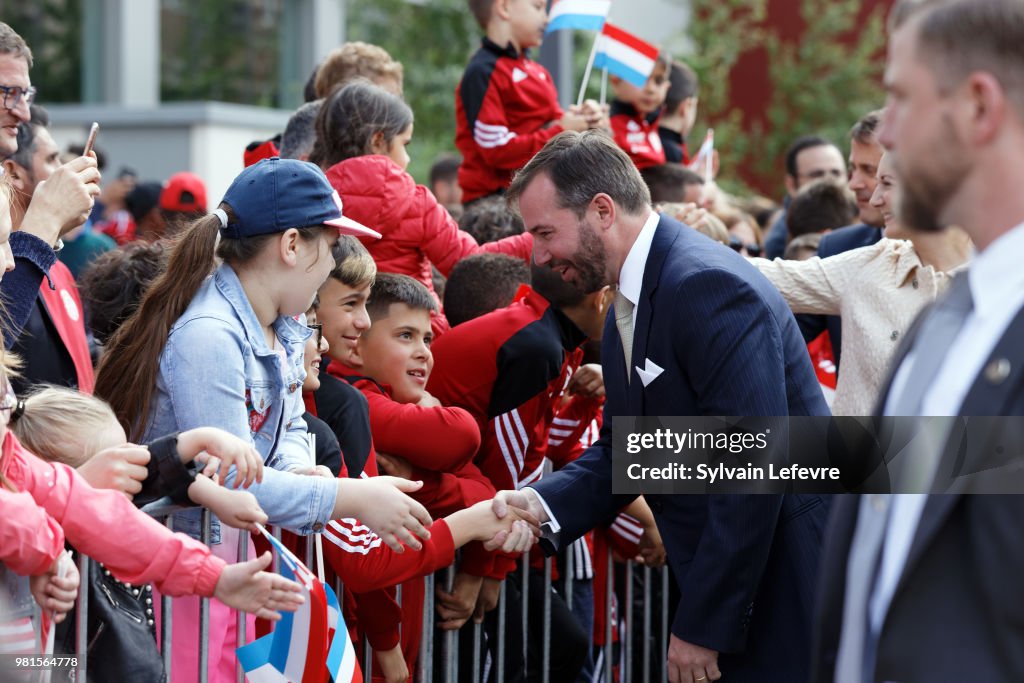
<point>225,50</point>
<point>820,85</point>
<point>433,40</point>
<point>52,29</point>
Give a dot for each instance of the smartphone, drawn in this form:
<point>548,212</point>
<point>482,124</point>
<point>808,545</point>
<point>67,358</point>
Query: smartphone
<point>92,138</point>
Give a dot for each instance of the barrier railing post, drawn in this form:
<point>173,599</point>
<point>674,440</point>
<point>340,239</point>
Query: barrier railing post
<point>570,569</point>
<point>627,639</point>
<point>426,658</point>
<point>664,622</point>
<point>545,671</point>
<point>610,591</point>
<point>500,677</point>
<point>477,644</point>
<point>526,609</point>
<point>166,612</point>
<point>368,660</point>
<point>204,610</point>
<point>243,555</point>
<point>647,624</point>
<point>82,618</point>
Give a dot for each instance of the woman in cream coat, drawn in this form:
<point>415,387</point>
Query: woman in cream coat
<point>878,290</point>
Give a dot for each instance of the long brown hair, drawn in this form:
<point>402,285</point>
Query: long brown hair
<point>127,374</point>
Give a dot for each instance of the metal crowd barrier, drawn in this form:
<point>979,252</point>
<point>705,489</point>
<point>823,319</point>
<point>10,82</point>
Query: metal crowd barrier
<point>650,669</point>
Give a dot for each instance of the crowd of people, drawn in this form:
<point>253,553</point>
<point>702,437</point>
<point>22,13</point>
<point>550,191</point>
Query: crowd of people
<point>426,376</point>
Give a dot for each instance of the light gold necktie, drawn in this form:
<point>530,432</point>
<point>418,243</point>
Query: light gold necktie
<point>624,323</point>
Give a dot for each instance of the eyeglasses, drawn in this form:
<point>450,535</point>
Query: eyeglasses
<point>318,329</point>
<point>752,249</point>
<point>14,94</point>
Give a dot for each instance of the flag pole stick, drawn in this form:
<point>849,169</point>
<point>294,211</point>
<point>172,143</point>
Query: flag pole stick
<point>586,72</point>
<point>708,169</point>
<point>604,86</point>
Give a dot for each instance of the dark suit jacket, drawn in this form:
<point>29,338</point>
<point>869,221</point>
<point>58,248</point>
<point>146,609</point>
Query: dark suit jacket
<point>836,242</point>
<point>729,346</point>
<point>958,610</point>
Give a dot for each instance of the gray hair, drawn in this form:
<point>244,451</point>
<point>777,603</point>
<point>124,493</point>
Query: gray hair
<point>13,44</point>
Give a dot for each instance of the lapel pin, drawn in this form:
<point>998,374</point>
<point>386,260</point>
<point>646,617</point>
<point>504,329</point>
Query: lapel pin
<point>998,370</point>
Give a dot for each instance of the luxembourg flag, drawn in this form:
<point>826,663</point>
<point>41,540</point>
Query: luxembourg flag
<point>582,15</point>
<point>702,163</point>
<point>624,55</point>
<point>307,644</point>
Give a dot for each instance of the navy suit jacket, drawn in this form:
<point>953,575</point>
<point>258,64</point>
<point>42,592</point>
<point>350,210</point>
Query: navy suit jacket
<point>729,345</point>
<point>836,242</point>
<point>956,612</point>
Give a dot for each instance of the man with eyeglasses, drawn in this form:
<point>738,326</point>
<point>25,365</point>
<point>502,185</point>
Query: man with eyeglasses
<point>59,204</point>
<point>808,159</point>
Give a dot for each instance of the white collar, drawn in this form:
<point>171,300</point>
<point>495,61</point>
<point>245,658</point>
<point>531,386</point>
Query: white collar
<point>631,277</point>
<point>995,276</point>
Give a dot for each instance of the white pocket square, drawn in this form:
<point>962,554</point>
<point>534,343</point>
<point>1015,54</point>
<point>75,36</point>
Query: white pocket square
<point>649,372</point>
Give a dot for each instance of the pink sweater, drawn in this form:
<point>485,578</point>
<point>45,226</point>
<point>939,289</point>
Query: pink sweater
<point>101,524</point>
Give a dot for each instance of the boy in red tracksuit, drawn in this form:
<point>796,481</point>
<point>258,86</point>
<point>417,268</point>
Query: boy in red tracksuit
<point>506,105</point>
<point>414,435</point>
<point>636,114</point>
<point>509,369</point>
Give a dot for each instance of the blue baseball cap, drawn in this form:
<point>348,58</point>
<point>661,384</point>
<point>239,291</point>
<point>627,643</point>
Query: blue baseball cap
<point>277,194</point>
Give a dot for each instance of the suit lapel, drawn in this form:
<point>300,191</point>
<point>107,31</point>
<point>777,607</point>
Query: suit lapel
<point>1001,376</point>
<point>935,512</point>
<point>665,235</point>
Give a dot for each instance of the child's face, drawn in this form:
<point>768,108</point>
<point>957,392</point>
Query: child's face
<point>527,19</point>
<point>396,351</point>
<point>313,264</point>
<point>343,314</point>
<point>316,347</point>
<point>647,99</point>
<point>397,149</point>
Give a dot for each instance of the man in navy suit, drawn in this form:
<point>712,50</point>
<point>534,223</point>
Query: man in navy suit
<point>928,587</point>
<point>709,336</point>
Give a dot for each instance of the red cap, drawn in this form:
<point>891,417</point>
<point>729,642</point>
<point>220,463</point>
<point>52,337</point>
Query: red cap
<point>173,197</point>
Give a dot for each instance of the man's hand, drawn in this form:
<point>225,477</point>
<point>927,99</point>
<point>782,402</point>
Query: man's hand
<point>487,600</point>
<point>520,538</point>
<point>395,466</point>
<point>63,201</point>
<point>689,663</point>
<point>121,468</point>
<point>456,608</point>
<point>57,589</point>
<point>245,586</point>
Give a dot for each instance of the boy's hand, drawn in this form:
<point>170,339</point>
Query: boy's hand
<point>588,380</point>
<point>238,509</point>
<point>57,589</point>
<point>121,468</point>
<point>428,401</point>
<point>573,120</point>
<point>517,504</point>
<point>393,665</point>
<point>219,451</point>
<point>457,607</point>
<point>487,600</point>
<point>395,466</point>
<point>245,586</point>
<point>595,114</point>
<point>382,505</point>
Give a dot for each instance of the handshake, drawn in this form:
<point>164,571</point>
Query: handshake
<point>510,522</point>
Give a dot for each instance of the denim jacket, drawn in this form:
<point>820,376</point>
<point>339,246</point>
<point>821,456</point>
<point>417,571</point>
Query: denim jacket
<point>217,371</point>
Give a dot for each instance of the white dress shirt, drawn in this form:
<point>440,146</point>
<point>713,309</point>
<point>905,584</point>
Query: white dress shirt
<point>996,281</point>
<point>631,281</point>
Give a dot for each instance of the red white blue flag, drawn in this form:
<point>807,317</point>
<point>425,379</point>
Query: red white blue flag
<point>582,15</point>
<point>307,644</point>
<point>624,55</point>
